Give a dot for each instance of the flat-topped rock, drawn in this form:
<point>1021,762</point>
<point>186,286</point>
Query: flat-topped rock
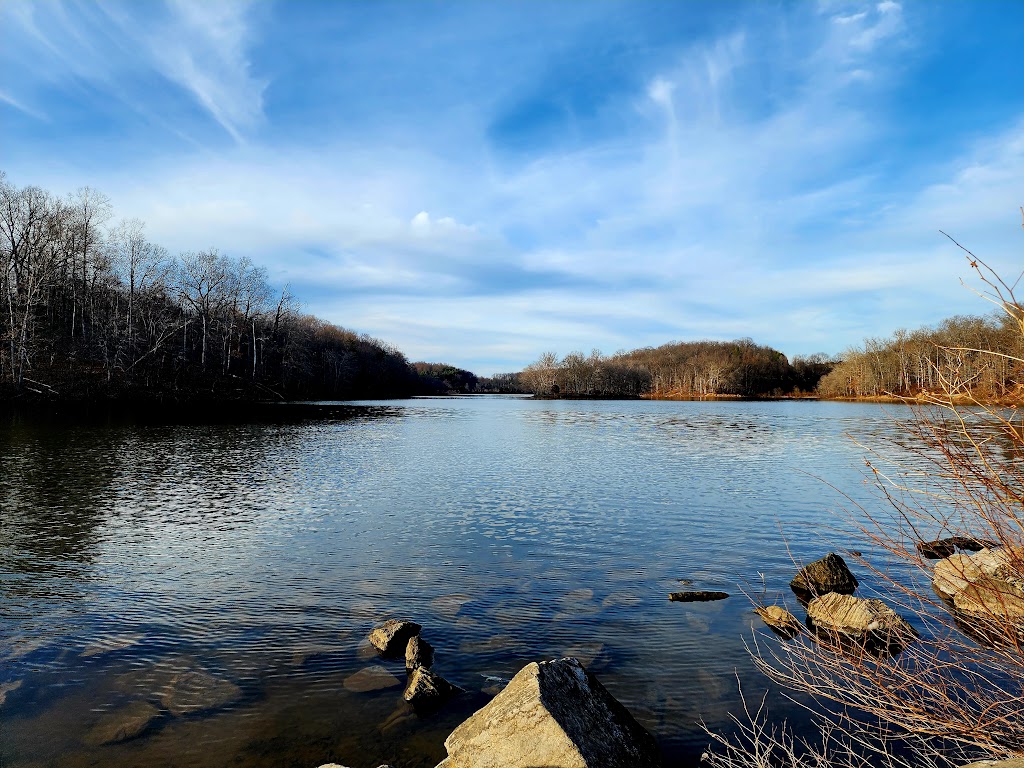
<point>553,714</point>
<point>372,678</point>
<point>779,620</point>
<point>196,690</point>
<point>697,596</point>
<point>871,622</point>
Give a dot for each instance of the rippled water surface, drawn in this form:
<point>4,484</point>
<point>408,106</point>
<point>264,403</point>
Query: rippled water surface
<point>251,558</point>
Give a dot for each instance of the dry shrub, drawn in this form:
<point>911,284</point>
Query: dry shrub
<point>957,692</point>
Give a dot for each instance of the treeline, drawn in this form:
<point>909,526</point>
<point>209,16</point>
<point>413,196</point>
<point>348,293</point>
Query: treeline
<point>679,369</point>
<point>963,354</point>
<point>444,379</point>
<point>92,309</point>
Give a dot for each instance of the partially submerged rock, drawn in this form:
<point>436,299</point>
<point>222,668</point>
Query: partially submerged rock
<point>372,678</point>
<point>940,548</point>
<point>390,638</point>
<point>953,574</point>
<point>696,596</point>
<point>987,592</point>
<point>418,653</point>
<point>428,690</point>
<point>829,574</point>
<point>122,724</point>
<point>553,714</point>
<point>779,620</point>
<point>869,622</point>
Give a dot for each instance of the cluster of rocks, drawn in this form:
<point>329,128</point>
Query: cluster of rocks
<point>826,587</point>
<point>554,714</point>
<point>985,591</point>
<point>175,688</point>
<point>425,689</point>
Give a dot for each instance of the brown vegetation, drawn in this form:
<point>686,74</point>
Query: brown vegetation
<point>97,311</point>
<point>957,691</point>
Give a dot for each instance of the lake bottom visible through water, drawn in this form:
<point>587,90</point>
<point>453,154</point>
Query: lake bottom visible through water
<point>207,588</point>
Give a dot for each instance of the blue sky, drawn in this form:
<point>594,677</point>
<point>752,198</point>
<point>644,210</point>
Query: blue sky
<point>479,182</point>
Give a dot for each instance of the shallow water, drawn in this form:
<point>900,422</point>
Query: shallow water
<point>260,553</point>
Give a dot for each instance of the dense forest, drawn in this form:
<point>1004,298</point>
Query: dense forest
<point>679,369</point>
<point>91,309</point>
<point>979,356</point>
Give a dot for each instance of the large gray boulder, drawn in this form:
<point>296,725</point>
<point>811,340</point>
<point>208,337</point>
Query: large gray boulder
<point>554,714</point>
<point>829,574</point>
<point>390,638</point>
<point>871,623</point>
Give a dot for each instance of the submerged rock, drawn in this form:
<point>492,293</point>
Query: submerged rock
<point>779,620</point>
<point>696,596</point>
<point>196,690</point>
<point>122,724</point>
<point>6,688</point>
<point>829,574</point>
<point>110,644</point>
<point>553,714</point>
<point>427,689</point>
<point>372,678</point>
<point>391,637</point>
<point>870,622</point>
<point>418,653</point>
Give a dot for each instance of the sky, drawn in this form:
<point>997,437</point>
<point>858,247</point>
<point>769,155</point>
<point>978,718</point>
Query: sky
<point>480,182</point>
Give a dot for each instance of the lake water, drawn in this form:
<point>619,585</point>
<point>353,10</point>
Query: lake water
<point>262,551</point>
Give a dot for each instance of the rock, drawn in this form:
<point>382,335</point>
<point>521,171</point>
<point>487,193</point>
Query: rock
<point>110,644</point>
<point>122,724</point>
<point>939,548</point>
<point>6,688</point>
<point>829,574</point>
<point>870,622</point>
<point>372,678</point>
<point>196,690</point>
<point>418,653</point>
<point>623,599</point>
<point>779,620</point>
<point>493,644</point>
<point>553,714</point>
<point>697,596</point>
<point>1013,762</point>
<point>450,605</point>
<point>936,550</point>
<point>585,653</point>
<point>428,689</point>
<point>953,574</point>
<point>391,637</point>
<point>991,599</point>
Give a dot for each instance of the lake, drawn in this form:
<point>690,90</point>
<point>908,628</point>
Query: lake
<point>262,551</point>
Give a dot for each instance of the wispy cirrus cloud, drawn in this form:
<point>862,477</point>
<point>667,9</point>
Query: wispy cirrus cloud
<point>478,184</point>
<point>115,50</point>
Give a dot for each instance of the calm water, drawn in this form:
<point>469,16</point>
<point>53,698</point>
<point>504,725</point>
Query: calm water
<point>513,530</point>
